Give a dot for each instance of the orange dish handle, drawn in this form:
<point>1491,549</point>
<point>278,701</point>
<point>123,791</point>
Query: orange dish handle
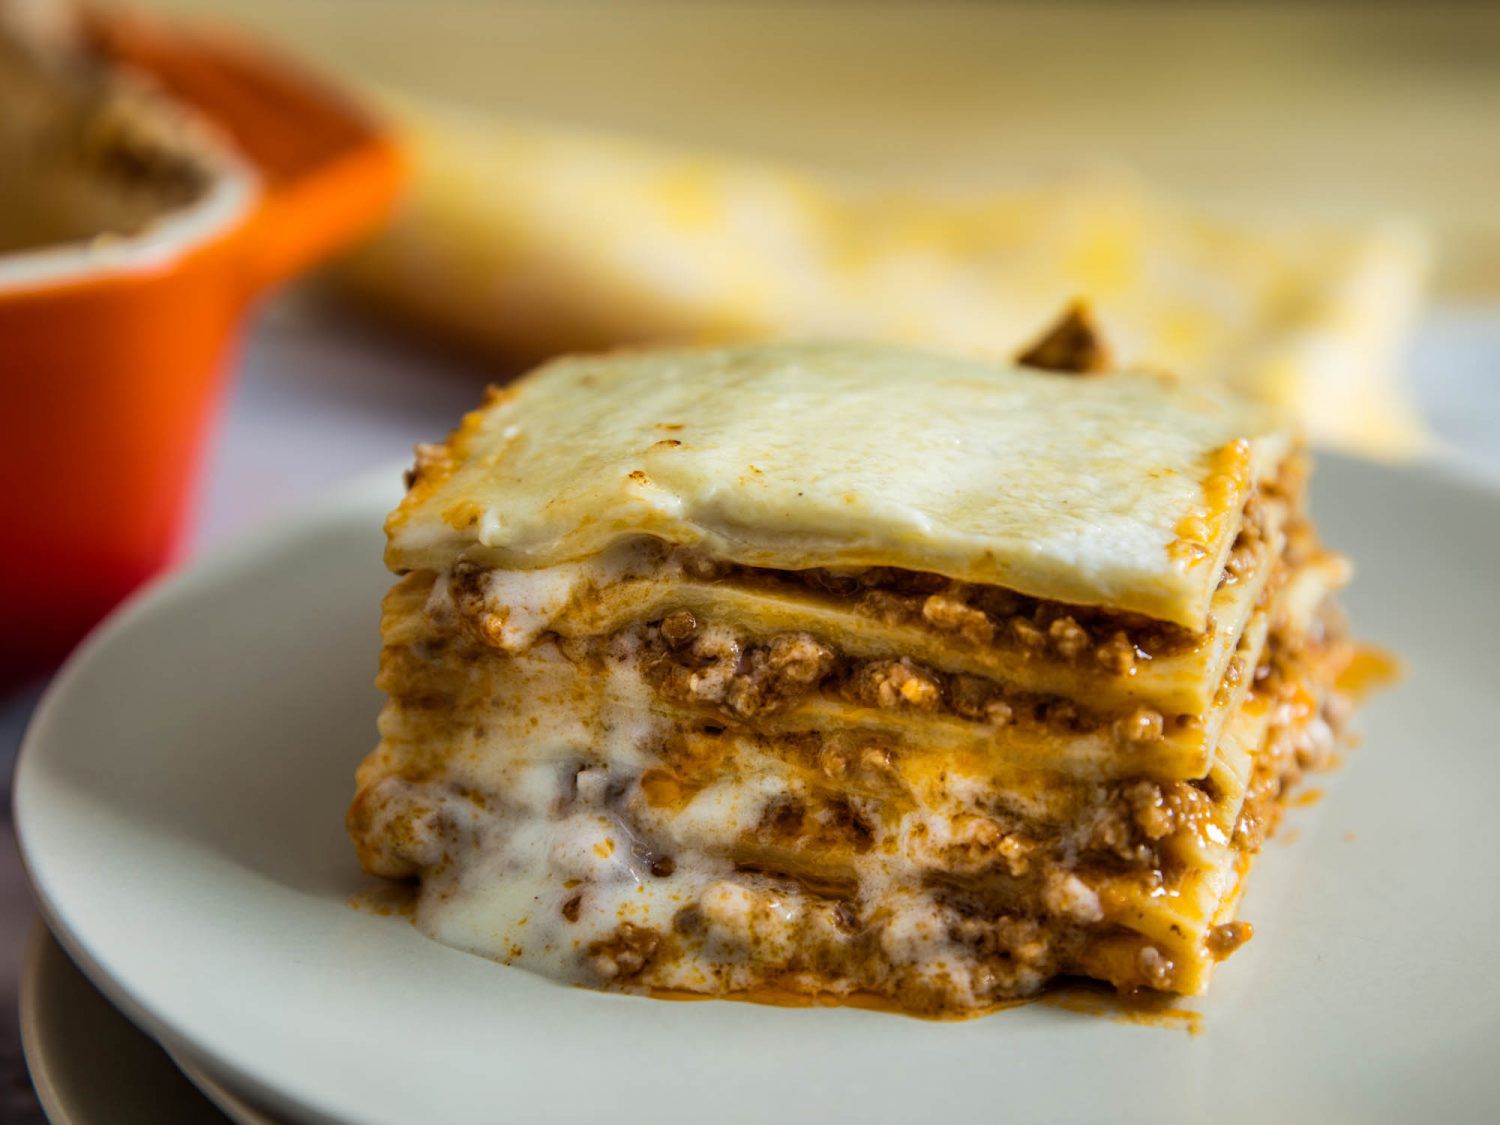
<point>329,172</point>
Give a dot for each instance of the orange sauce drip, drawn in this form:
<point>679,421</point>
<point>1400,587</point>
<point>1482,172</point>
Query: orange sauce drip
<point>1368,670</point>
<point>1143,1009</point>
<point>1223,491</point>
<point>775,997</point>
<point>463,515</point>
<point>663,790</point>
<point>386,899</point>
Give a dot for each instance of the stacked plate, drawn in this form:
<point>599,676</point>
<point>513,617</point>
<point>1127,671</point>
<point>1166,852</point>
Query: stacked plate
<point>90,1064</point>
<point>180,804</point>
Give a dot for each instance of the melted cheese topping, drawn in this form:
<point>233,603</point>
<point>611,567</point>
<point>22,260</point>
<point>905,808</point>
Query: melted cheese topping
<point>801,455</point>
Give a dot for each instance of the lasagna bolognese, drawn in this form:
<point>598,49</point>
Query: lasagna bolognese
<point>850,672</point>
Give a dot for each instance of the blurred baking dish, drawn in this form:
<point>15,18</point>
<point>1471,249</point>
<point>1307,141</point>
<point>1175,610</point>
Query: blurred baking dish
<point>153,183</point>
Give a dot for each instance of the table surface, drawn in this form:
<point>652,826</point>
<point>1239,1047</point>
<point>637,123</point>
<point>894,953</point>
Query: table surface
<point>319,397</point>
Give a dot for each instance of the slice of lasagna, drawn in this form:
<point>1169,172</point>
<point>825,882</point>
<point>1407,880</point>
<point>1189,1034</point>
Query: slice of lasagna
<point>849,671</point>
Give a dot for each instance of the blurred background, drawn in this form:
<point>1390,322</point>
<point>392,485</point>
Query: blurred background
<point>1366,109</point>
<point>1295,199</point>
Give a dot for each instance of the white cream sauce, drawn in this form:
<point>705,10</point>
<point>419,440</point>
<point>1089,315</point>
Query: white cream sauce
<point>560,851</point>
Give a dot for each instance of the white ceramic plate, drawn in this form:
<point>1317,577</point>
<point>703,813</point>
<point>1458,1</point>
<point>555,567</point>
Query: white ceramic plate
<point>180,801</point>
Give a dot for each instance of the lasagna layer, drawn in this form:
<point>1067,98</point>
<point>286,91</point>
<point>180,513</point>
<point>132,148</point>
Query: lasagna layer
<point>1125,492</point>
<point>1094,657</point>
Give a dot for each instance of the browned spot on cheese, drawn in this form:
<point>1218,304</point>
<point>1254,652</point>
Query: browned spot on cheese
<point>463,515</point>
<point>662,790</point>
<point>1225,938</point>
<point>386,899</point>
<point>1369,669</point>
<point>1073,344</point>
<point>1223,488</point>
<point>1144,1008</point>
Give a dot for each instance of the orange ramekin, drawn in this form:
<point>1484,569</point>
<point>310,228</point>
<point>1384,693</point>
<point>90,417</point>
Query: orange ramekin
<point>112,355</point>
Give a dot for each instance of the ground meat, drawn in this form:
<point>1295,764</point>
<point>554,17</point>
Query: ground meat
<point>714,667</point>
<point>624,953</point>
<point>997,601</point>
<point>712,660</point>
<point>1019,952</point>
<point>953,616</point>
<point>1073,344</point>
<point>1142,725</point>
<point>833,762</point>
<point>679,627</point>
<point>1065,895</point>
<point>702,567</point>
<point>896,683</point>
<point>1303,734</point>
<point>885,607</point>
<point>1017,851</point>
<point>1249,544</point>
<point>1156,967</point>
<point>1117,654</point>
<point>1027,635</point>
<point>838,757</point>
<point>1114,834</point>
<point>832,821</point>
<point>1160,809</point>
<point>973,697</point>
<point>1226,938</point>
<point>1275,771</point>
<point>466,586</point>
<point>1069,639</point>
<point>974,844</point>
<point>787,668</point>
<point>1136,816</point>
<point>843,818</point>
